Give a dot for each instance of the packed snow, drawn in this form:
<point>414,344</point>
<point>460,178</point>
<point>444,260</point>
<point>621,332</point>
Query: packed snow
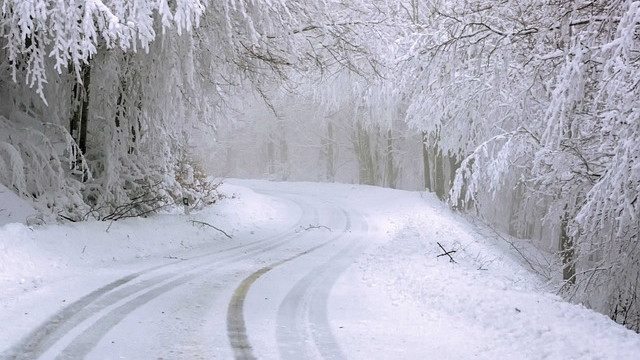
<point>390,293</point>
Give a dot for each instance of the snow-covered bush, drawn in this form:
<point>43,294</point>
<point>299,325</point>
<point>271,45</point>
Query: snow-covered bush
<point>36,163</point>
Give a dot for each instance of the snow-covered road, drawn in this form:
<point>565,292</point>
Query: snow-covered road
<point>265,297</point>
<point>280,310</point>
<point>312,272</point>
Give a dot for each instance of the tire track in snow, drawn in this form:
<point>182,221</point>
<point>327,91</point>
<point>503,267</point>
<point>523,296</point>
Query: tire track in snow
<point>236,326</point>
<point>82,344</point>
<point>42,337</point>
<point>302,319</point>
<point>57,326</point>
<point>303,330</point>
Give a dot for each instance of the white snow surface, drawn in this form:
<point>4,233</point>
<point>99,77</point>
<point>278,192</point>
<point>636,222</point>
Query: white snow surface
<point>388,293</point>
<point>13,209</point>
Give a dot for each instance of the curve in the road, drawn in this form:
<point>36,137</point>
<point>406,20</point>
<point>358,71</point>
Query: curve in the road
<point>85,342</point>
<point>302,327</point>
<point>236,328</point>
<point>61,323</point>
<point>320,280</point>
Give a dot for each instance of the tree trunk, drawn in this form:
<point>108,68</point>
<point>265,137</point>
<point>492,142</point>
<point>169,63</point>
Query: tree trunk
<point>331,168</point>
<point>271,161</point>
<point>426,163</point>
<point>128,109</point>
<point>284,151</point>
<point>80,118</point>
<point>415,10</point>
<point>513,213</point>
<point>84,115</point>
<point>363,153</point>
<point>567,251</point>
<point>392,171</point>
<point>439,175</point>
<point>453,167</point>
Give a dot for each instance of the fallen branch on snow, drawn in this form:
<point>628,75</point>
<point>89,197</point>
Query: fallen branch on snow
<point>202,223</point>
<point>446,253</point>
<point>316,227</point>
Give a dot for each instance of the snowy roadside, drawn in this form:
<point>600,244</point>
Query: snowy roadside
<point>65,262</point>
<point>399,301</point>
<point>486,305</point>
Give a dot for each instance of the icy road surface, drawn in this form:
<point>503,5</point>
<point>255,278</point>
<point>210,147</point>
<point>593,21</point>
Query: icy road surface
<point>311,272</point>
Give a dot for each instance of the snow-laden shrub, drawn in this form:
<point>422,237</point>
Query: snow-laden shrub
<point>37,163</point>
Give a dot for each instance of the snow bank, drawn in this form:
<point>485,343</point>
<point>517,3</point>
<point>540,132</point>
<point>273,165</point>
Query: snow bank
<point>411,302</point>
<point>486,305</point>
<point>33,256</point>
<point>13,209</point>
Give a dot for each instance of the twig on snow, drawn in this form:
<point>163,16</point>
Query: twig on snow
<point>194,222</point>
<point>316,227</point>
<point>446,253</point>
<point>66,217</point>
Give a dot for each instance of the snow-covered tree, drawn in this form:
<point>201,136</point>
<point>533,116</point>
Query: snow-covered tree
<point>606,229</point>
<point>527,112</point>
<point>539,102</point>
<point>93,71</point>
<point>128,81</point>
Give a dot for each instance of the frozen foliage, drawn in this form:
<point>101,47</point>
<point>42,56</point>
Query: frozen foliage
<point>128,83</point>
<point>526,113</point>
<point>607,229</point>
<point>541,102</point>
<point>35,162</point>
<point>116,119</point>
<point>71,32</point>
